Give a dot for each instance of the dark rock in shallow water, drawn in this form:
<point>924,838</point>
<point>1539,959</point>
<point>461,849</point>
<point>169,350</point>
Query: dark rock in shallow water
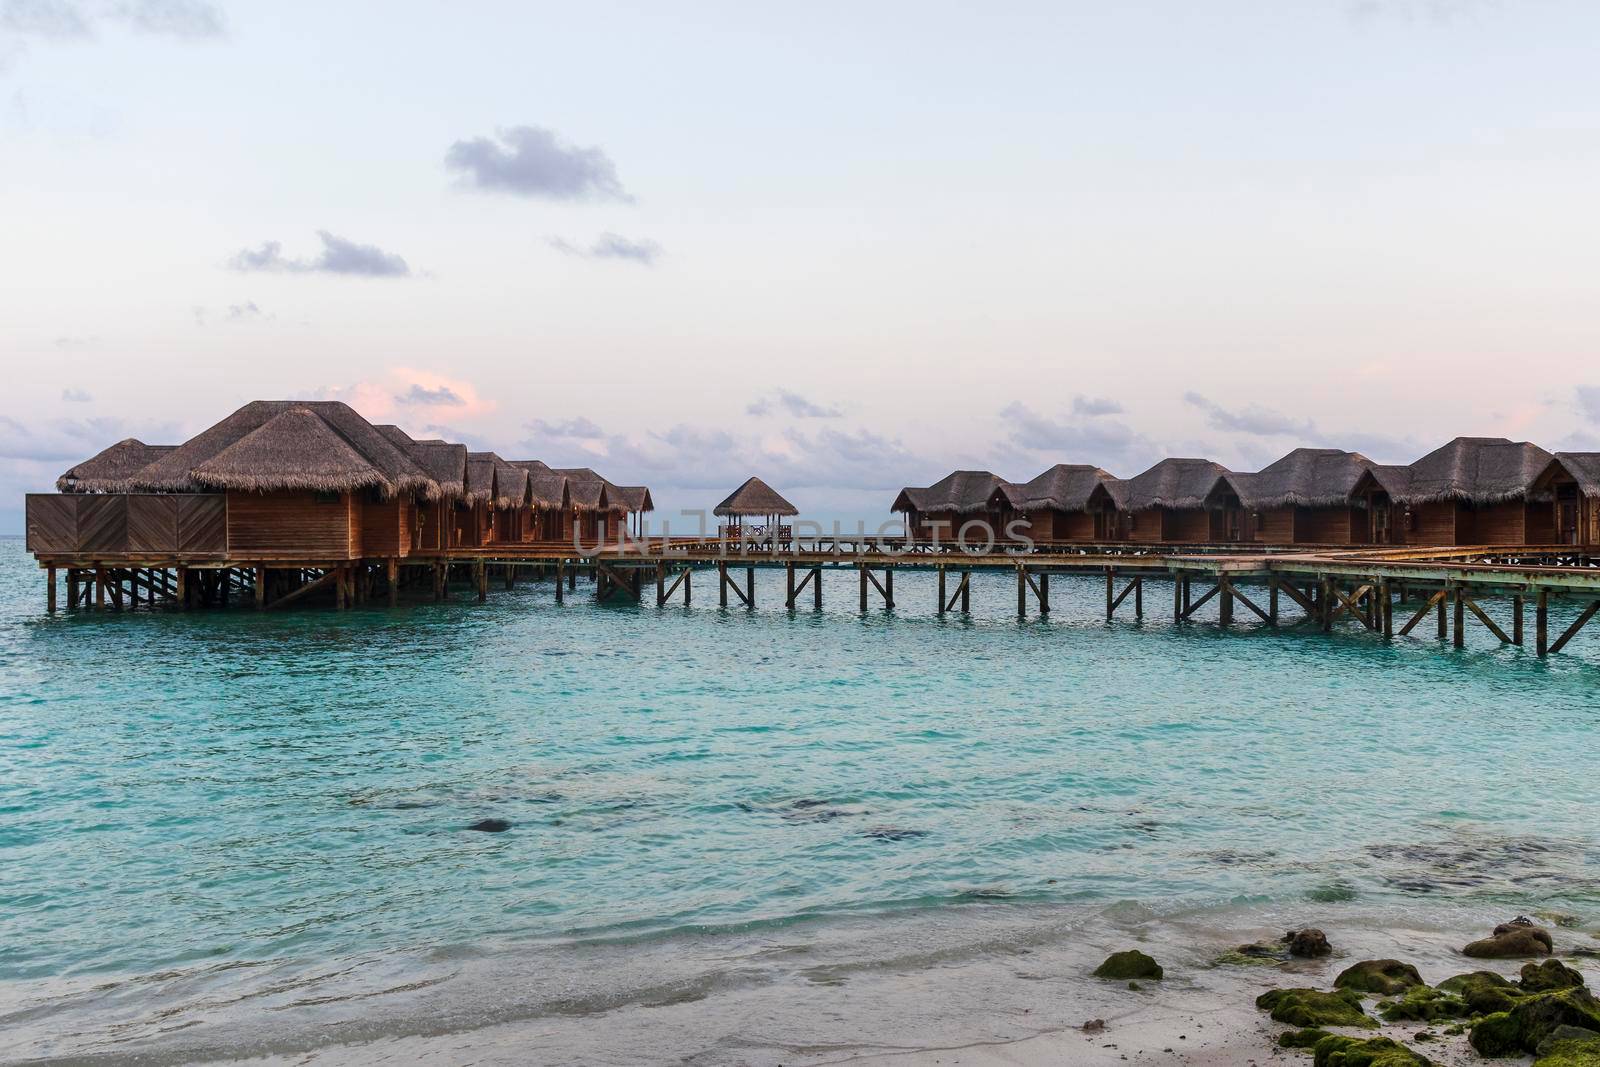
<point>1336,1050</point>
<point>893,833</point>
<point>490,826</point>
<point>1131,964</point>
<point>1534,1018</point>
<point>1312,1007</point>
<point>1307,943</point>
<point>1512,941</point>
<point>1388,977</point>
<point>1551,974</point>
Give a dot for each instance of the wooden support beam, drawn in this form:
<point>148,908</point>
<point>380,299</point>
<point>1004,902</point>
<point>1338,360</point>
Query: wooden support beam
<point>1326,600</point>
<point>727,583</point>
<point>609,581</point>
<point>816,588</point>
<point>99,589</point>
<point>750,588</point>
<point>1444,604</point>
<point>1272,601</point>
<point>813,577</point>
<point>72,588</point>
<point>940,597</point>
<point>1541,621</point>
<point>1177,598</point>
<point>661,583</point>
<point>788,569</point>
<point>329,577</point>
<point>1138,598</point>
<point>722,586</point>
<point>1516,620</point>
<point>885,588</point>
<point>261,587</point>
<point>480,579</point>
<point>1472,606</point>
<point>1225,608</point>
<point>1352,602</point>
<point>1386,607</point>
<point>393,575</point>
<point>1461,618</point>
<point>664,592</point>
<point>861,569</point>
<point>1246,601</point>
<point>1111,603</point>
<point>1578,624</point>
<point>50,590</point>
<point>340,593</point>
<point>561,566</point>
<point>1422,612</point>
<point>1198,604</point>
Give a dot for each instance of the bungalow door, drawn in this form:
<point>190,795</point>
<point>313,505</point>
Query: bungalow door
<point>1382,530</point>
<point>1567,515</point>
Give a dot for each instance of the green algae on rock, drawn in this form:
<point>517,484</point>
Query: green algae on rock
<point>1301,1038</point>
<point>1569,1046</point>
<point>1131,964</point>
<point>1312,1007</point>
<point>1387,977</point>
<point>1339,1051</point>
<point>1551,974</point>
<point>1424,1004</point>
<point>1535,1017</point>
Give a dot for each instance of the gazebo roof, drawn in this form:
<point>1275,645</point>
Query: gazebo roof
<point>755,497</point>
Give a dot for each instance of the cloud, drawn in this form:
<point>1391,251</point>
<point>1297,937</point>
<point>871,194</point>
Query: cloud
<point>67,343</point>
<point>532,161</point>
<point>339,256</point>
<point>70,440</point>
<point>1251,419</point>
<point>440,396</point>
<point>76,396</point>
<point>1094,406</point>
<point>610,246</point>
<point>580,428</point>
<point>793,404</point>
<point>79,20</point>
<point>246,310</point>
<point>1109,443</point>
<point>1589,402</point>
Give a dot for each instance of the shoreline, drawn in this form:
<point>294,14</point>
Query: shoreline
<point>978,985</point>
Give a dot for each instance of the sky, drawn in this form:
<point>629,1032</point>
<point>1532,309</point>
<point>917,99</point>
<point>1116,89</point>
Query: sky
<point>846,247</point>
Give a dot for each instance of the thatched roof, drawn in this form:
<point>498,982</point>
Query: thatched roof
<point>445,463</point>
<point>112,470</point>
<point>397,437</point>
<point>1475,470</point>
<point>1173,483</point>
<point>586,490</point>
<point>510,485</point>
<point>548,490</point>
<point>1581,467</point>
<point>293,450</point>
<point>961,492</point>
<point>1306,477</point>
<point>1064,487</point>
<point>480,477</point>
<point>636,498</point>
<point>178,470</point>
<point>531,465</point>
<point>755,497</point>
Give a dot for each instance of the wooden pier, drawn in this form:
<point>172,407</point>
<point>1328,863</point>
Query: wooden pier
<point>1389,591</point>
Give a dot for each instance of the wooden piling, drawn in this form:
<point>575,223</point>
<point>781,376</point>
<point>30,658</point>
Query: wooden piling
<point>261,587</point>
<point>393,574</point>
<point>1541,622</point>
<point>1516,620</point>
<point>940,600</point>
<point>50,590</point>
<point>1460,603</point>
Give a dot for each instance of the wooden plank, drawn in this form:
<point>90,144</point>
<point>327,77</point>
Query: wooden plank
<point>1422,613</point>
<point>1578,624</point>
<point>52,523</point>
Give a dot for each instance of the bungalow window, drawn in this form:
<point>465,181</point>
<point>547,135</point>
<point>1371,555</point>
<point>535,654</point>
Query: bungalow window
<point>325,498</point>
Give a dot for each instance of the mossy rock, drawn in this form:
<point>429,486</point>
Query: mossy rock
<point>1424,1005</point>
<point>1551,974</point>
<point>1483,991</point>
<point>1386,977</point>
<point>1339,1051</point>
<point>1128,965</point>
<point>1301,1038</point>
<point>1312,1007</point>
<point>1534,1018</point>
<point>1569,1046</point>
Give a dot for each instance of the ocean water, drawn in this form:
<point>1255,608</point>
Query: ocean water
<point>224,833</point>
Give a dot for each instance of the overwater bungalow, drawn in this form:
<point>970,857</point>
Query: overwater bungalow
<point>1472,491</point>
<point>593,515</point>
<point>755,499</point>
<point>942,509</point>
<point>1305,498</point>
<point>548,500</point>
<point>636,504</point>
<point>309,478</point>
<point>1178,501</point>
<point>1571,483</point>
<point>1071,502</point>
<point>511,519</point>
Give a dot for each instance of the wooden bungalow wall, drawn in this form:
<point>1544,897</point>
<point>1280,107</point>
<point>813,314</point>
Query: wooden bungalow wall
<point>193,524</point>
<point>294,525</point>
<point>386,526</point>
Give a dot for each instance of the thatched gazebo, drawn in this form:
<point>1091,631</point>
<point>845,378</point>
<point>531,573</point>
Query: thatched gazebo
<point>755,499</point>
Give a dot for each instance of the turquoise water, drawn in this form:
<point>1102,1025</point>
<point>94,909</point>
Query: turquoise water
<point>217,792</point>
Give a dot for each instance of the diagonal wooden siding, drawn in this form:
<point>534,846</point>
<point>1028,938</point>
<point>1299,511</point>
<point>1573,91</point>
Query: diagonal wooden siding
<point>203,525</point>
<point>102,524</point>
<point>52,523</point>
<point>152,523</point>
